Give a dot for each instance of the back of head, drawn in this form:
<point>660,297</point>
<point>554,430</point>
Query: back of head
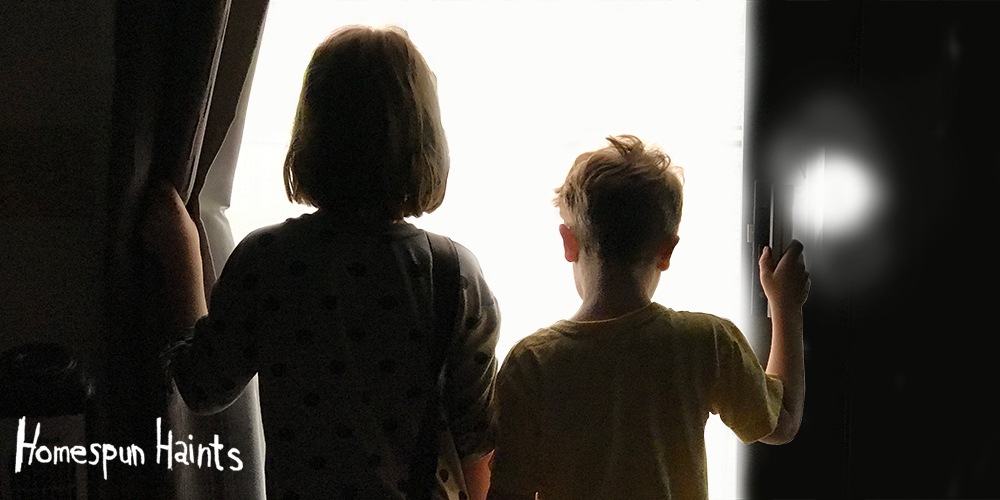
<point>621,201</point>
<point>367,136</point>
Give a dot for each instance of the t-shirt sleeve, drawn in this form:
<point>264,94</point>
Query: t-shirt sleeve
<point>746,398</point>
<point>517,458</point>
<point>214,361</point>
<point>472,365</point>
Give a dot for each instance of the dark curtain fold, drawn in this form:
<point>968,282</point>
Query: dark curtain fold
<point>239,425</point>
<point>181,68</point>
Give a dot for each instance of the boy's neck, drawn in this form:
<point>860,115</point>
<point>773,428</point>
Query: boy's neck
<point>605,310</point>
<point>611,295</point>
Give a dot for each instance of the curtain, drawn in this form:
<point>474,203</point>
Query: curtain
<point>239,425</point>
<point>182,75</point>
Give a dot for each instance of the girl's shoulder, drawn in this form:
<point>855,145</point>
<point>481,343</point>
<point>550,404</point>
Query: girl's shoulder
<point>468,263</point>
<point>263,243</point>
<point>317,226</point>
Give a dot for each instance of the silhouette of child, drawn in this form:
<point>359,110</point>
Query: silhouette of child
<point>333,309</point>
<point>613,402</point>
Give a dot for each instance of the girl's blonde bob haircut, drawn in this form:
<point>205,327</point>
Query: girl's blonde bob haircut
<point>367,138</point>
<point>622,201</point>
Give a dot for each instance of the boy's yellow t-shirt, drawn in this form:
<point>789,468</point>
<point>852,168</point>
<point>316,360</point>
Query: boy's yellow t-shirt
<point>617,409</point>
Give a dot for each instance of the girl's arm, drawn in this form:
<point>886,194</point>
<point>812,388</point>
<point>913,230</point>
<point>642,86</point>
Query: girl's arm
<point>469,388</point>
<point>172,237</point>
<point>477,477</point>
<point>209,371</point>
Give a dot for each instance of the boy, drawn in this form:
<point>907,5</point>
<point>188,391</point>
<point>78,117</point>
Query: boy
<point>612,403</point>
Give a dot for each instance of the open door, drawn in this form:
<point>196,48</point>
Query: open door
<point>524,88</point>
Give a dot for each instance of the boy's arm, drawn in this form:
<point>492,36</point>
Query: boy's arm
<point>786,362</point>
<point>786,286</point>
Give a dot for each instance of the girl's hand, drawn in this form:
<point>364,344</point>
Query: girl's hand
<point>786,284</point>
<point>168,231</point>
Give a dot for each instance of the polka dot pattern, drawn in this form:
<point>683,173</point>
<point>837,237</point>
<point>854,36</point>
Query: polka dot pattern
<point>417,336</point>
<point>266,239</point>
<point>390,425</point>
<point>250,281</point>
<point>414,392</point>
<point>356,333</point>
<point>338,327</point>
<point>311,399</point>
<point>271,304</point>
<point>344,432</point>
<point>218,327</point>
<point>349,493</point>
<point>387,366</point>
<point>329,302</point>
<point>297,268</point>
<point>357,270</point>
<point>337,367</point>
<point>317,463</point>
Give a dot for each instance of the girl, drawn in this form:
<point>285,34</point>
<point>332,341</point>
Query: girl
<point>333,309</point>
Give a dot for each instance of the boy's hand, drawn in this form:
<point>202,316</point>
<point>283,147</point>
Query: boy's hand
<point>168,231</point>
<point>786,284</point>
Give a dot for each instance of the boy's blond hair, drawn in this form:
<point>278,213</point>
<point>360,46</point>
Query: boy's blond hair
<point>367,135</point>
<point>622,200</point>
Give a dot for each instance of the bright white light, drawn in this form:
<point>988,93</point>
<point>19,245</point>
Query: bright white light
<point>524,88</point>
<point>810,191</point>
<point>850,194</point>
<point>837,195</point>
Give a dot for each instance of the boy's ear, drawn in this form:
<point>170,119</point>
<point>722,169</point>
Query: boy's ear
<point>571,248</point>
<point>666,250</point>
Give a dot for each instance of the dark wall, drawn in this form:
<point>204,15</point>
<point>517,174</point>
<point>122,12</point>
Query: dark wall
<point>900,347</point>
<point>95,96</point>
<point>56,86</point>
